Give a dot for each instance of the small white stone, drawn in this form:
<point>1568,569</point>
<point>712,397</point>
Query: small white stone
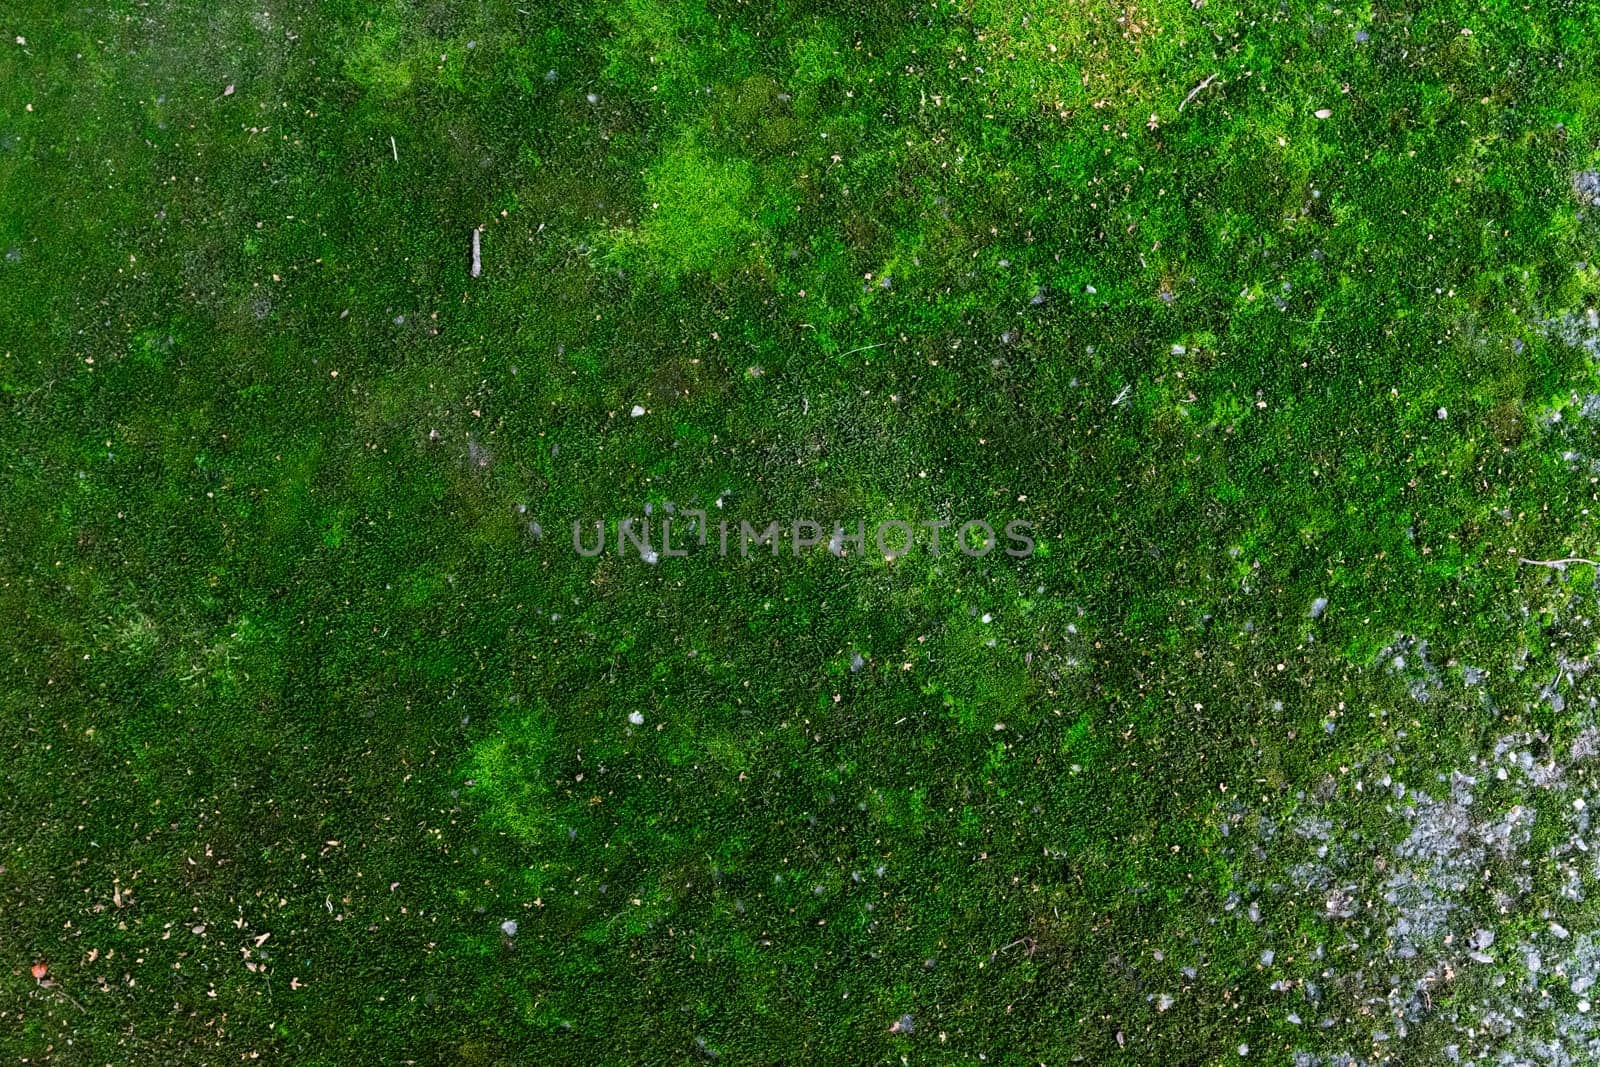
<point>509,928</point>
<point>636,717</point>
<point>637,411</point>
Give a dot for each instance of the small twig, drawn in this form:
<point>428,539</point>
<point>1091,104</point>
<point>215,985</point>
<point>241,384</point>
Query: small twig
<point>477,260</point>
<point>55,987</point>
<point>1030,942</point>
<point>863,348</point>
<point>1196,91</point>
<point>1558,564</point>
<point>394,148</point>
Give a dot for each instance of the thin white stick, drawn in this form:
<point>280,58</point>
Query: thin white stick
<point>394,148</point>
<point>477,260</point>
<point>1196,91</point>
<point>1556,563</point>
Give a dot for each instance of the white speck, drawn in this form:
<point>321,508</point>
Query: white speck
<point>987,617</point>
<point>509,928</point>
<point>636,717</point>
<point>228,91</point>
<point>638,410</point>
<point>1323,113</point>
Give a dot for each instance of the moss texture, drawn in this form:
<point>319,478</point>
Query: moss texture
<point>306,695</point>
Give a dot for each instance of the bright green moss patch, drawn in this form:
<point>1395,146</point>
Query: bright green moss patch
<point>379,62</point>
<point>698,219</point>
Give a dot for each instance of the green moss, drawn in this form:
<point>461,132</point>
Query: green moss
<point>697,219</point>
<point>381,61</point>
<point>285,655</point>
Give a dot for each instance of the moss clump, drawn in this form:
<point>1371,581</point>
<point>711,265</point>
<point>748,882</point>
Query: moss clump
<point>696,218</point>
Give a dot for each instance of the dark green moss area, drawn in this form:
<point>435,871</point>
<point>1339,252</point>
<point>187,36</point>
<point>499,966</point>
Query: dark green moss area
<point>296,711</point>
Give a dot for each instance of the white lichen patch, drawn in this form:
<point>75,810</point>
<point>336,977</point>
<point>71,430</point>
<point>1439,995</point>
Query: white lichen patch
<point>1441,920</point>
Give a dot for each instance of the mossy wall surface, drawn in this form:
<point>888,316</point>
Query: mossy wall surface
<point>320,744</point>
